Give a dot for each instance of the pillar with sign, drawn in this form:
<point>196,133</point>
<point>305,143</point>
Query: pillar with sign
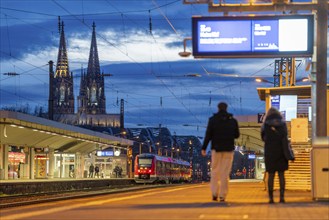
<point>130,161</point>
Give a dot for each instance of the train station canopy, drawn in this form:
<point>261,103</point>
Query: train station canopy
<point>18,129</point>
<point>301,91</point>
<point>250,136</point>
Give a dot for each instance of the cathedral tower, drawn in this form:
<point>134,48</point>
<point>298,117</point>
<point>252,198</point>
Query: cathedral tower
<point>62,81</point>
<point>92,96</point>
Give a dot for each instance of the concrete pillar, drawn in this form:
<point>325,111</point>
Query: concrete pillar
<point>31,162</point>
<point>82,165</point>
<point>24,171</point>
<point>61,168</point>
<point>77,166</point>
<point>321,68</point>
<point>4,164</point>
<point>51,156</point>
<point>1,157</point>
<point>267,100</point>
<point>327,112</point>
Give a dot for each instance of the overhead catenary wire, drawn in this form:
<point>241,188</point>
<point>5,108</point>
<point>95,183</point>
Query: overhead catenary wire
<point>152,73</point>
<point>24,21</point>
<point>36,67</point>
<point>90,14</point>
<point>23,97</point>
<point>8,35</point>
<point>166,82</point>
<point>171,25</point>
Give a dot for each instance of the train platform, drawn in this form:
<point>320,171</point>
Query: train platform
<point>17,187</point>
<point>246,200</point>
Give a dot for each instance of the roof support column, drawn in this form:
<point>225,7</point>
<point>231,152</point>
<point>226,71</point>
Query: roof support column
<point>51,156</point>
<point>328,113</point>
<point>267,100</point>
<point>61,169</point>
<point>321,68</point>
<point>31,162</point>
<point>4,162</point>
<point>79,165</point>
<point>130,161</point>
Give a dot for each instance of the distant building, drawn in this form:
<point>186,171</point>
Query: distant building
<point>189,149</point>
<point>91,99</point>
<point>62,81</point>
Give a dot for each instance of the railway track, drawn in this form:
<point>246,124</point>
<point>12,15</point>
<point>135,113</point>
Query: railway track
<point>28,199</point>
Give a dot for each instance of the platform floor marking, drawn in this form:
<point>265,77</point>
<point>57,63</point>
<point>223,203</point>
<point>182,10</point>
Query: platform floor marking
<point>206,216</point>
<point>69,207</point>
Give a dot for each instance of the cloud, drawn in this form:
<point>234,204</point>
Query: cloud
<point>16,95</point>
<point>145,67</point>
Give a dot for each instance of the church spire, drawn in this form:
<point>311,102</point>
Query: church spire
<point>62,82</point>
<point>62,68</point>
<point>93,63</point>
<point>92,95</point>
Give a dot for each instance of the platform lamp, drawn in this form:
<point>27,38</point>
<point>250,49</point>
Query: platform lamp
<point>185,53</point>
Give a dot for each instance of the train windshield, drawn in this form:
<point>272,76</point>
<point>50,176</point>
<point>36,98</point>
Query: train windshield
<point>145,162</point>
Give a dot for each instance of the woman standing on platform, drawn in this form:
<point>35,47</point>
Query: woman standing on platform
<point>273,130</point>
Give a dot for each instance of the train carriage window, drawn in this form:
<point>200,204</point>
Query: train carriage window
<point>145,161</point>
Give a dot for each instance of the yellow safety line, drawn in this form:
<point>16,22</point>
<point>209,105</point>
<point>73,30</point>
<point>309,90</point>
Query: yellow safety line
<point>223,216</point>
<point>69,207</point>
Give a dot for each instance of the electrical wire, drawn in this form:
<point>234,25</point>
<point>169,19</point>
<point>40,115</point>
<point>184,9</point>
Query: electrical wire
<point>8,35</point>
<point>93,14</point>
<point>144,10</point>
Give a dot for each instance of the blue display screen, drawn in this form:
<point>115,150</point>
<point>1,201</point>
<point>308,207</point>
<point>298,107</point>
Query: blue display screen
<point>236,36</point>
<point>264,36</point>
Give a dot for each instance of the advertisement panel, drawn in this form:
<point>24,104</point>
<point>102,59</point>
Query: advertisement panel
<point>286,104</point>
<point>258,36</point>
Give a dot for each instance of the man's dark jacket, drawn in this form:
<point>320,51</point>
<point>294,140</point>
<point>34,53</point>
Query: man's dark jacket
<point>222,129</point>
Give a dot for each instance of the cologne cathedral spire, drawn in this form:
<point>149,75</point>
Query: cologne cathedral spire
<point>93,63</point>
<point>62,83</point>
<point>92,95</point>
<point>62,68</point>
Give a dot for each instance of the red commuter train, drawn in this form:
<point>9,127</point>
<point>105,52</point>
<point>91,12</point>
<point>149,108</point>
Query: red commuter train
<point>150,168</point>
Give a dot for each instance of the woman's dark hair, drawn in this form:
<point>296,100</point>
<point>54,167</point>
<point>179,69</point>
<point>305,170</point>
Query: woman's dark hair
<point>272,111</point>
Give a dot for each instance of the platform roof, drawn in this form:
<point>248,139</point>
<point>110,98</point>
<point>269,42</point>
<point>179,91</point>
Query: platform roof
<point>301,91</point>
<point>250,136</point>
<point>18,129</point>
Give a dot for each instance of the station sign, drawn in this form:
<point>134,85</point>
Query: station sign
<point>251,156</point>
<point>105,153</point>
<point>261,117</point>
<point>253,36</point>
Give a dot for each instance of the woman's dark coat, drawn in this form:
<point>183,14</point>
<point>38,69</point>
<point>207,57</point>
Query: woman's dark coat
<point>273,130</point>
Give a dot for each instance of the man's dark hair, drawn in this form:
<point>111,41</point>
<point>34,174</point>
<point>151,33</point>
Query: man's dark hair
<point>222,106</point>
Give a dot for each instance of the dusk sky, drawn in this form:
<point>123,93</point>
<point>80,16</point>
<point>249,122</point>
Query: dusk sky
<point>147,71</point>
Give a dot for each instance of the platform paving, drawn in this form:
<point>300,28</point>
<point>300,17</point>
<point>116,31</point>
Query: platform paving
<point>246,200</point>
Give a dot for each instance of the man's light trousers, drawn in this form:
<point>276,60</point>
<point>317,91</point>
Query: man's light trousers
<point>221,165</point>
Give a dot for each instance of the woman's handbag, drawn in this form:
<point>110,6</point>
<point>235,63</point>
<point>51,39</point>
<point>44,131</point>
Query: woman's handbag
<point>287,151</point>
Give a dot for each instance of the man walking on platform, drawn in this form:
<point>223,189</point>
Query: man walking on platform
<point>222,129</point>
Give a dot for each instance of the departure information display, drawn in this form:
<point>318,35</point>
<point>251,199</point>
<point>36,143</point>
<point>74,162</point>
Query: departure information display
<point>259,36</point>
